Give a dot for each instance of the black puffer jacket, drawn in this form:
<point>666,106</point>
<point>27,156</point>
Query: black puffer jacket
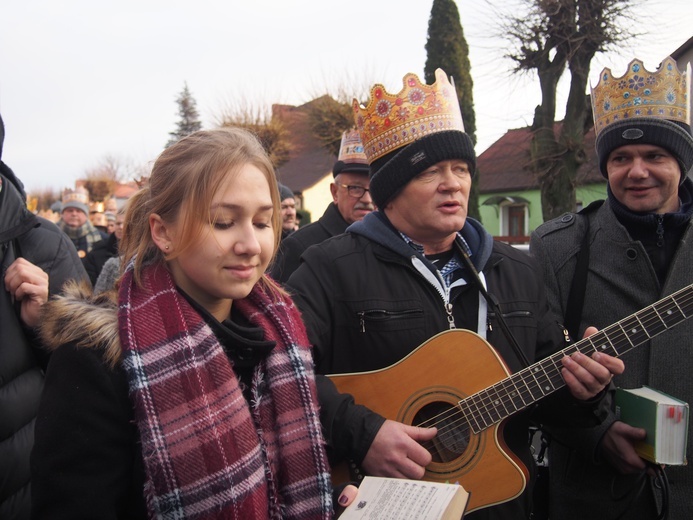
<point>292,247</point>
<point>97,257</point>
<point>367,306</point>
<point>21,364</point>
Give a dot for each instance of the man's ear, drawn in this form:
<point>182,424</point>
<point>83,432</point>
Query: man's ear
<point>161,233</point>
<point>333,191</point>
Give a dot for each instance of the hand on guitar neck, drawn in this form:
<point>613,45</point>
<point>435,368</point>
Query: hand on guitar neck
<point>586,376</point>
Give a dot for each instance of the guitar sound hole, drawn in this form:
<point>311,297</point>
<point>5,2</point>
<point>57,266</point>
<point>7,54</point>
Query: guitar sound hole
<point>452,439</point>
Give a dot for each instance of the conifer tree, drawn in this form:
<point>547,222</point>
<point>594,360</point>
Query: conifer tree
<point>447,49</point>
<point>189,121</point>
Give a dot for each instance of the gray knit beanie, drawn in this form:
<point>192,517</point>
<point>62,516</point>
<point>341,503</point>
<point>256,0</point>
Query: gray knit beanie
<point>285,192</point>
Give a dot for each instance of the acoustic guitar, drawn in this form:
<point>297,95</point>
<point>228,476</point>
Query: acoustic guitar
<point>457,382</point>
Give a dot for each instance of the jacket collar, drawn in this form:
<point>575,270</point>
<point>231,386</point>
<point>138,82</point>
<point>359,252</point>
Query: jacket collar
<point>377,227</point>
<point>332,221</point>
<point>634,220</point>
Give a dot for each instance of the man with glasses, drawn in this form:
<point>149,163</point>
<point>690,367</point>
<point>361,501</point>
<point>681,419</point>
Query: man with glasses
<point>351,202</point>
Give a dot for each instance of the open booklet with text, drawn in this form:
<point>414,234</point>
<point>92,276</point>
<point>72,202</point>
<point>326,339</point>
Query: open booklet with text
<point>402,499</point>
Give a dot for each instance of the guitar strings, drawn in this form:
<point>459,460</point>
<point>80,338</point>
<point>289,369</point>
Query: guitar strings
<point>651,316</point>
<point>487,402</point>
<point>617,344</point>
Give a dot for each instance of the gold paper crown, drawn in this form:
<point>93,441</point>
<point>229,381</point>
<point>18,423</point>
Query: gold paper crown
<point>390,121</point>
<point>351,148</point>
<point>79,194</point>
<point>662,94</point>
<point>111,205</point>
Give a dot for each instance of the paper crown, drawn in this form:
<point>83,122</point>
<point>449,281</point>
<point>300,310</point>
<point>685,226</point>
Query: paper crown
<point>79,194</point>
<point>391,121</point>
<point>77,198</point>
<point>351,148</point>
<point>111,205</point>
<point>662,94</point>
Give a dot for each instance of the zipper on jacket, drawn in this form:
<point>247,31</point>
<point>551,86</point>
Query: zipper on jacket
<point>442,290</point>
<point>451,320</point>
<point>660,230</point>
<point>382,314</point>
<point>514,314</point>
<point>447,305</point>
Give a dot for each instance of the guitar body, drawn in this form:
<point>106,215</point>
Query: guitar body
<point>426,386</point>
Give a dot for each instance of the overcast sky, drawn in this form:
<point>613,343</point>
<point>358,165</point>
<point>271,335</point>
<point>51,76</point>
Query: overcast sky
<point>82,79</point>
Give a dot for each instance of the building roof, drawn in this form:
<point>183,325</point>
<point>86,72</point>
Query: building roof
<point>125,191</point>
<point>685,47</point>
<point>308,160</point>
<point>505,165</point>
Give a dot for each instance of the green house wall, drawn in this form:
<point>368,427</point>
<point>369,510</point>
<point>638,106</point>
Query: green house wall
<point>490,215</point>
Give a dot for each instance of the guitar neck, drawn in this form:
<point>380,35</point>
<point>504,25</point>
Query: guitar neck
<point>526,387</point>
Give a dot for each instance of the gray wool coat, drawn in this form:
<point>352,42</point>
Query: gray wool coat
<point>620,282</point>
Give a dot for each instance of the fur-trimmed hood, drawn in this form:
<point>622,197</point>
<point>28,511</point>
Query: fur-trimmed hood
<point>82,318</point>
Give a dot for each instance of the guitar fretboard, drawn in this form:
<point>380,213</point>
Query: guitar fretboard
<point>520,390</point>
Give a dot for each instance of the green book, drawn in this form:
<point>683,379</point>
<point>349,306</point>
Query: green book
<point>665,419</point>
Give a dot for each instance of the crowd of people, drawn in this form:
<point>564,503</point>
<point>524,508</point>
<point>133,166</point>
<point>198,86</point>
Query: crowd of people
<point>184,362</point>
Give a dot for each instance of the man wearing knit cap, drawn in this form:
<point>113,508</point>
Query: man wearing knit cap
<point>417,267</point>
<point>630,252</point>
<point>351,201</point>
<point>288,207</point>
<point>75,223</point>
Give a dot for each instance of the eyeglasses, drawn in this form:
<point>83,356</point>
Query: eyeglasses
<point>355,191</point>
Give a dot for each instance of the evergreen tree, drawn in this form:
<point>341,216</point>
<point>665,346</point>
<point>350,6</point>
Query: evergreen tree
<point>447,49</point>
<point>189,117</point>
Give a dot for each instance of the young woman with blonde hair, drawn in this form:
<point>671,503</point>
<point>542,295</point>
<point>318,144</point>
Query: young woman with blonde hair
<point>189,392</point>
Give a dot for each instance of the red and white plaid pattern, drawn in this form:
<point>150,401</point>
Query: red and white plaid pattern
<point>205,455</point>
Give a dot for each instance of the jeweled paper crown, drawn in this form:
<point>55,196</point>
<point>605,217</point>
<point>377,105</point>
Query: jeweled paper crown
<point>662,94</point>
<point>79,194</point>
<point>351,148</point>
<point>391,121</point>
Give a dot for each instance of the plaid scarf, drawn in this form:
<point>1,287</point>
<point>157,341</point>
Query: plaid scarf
<point>86,231</point>
<point>207,453</point>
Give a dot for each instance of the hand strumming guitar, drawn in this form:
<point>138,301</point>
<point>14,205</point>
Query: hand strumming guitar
<point>396,451</point>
